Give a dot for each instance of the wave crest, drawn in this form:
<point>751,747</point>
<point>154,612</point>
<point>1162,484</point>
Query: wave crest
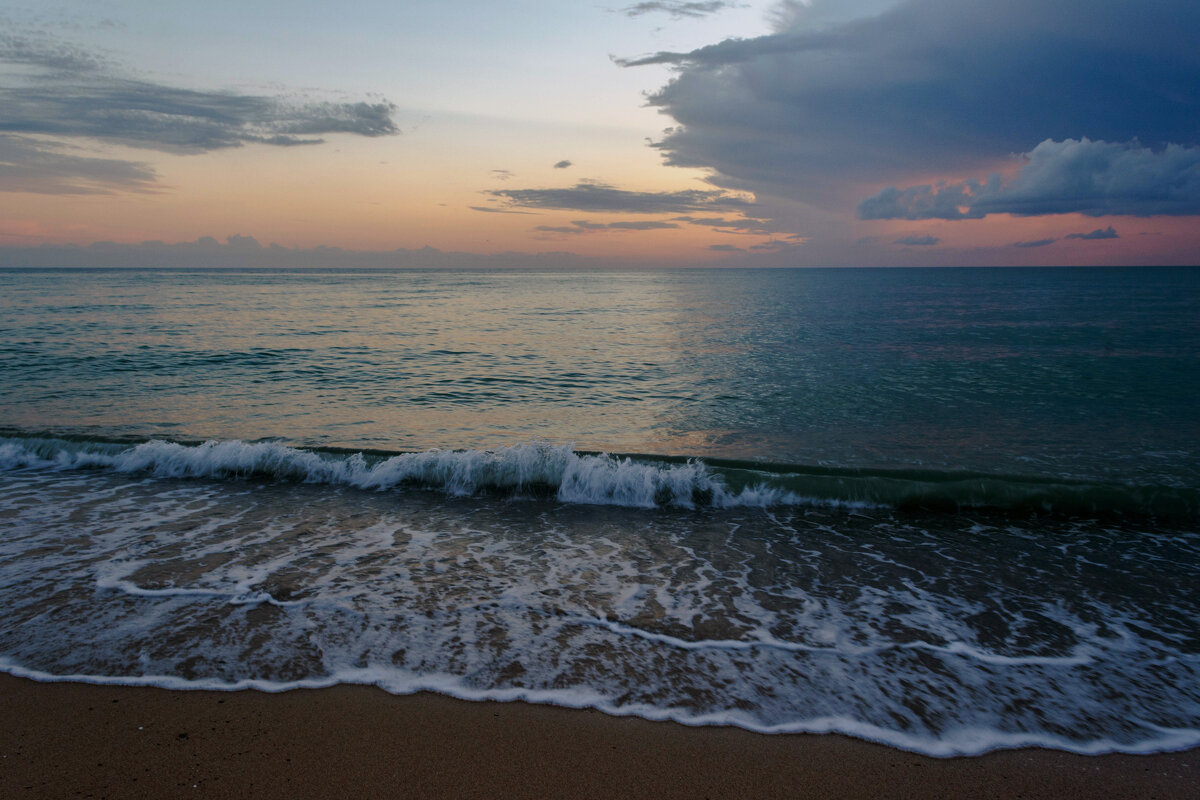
<point>546,470</point>
<point>539,469</point>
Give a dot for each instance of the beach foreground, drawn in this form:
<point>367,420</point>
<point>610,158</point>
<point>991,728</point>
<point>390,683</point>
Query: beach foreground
<point>80,740</point>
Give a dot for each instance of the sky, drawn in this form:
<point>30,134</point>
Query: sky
<point>586,134</point>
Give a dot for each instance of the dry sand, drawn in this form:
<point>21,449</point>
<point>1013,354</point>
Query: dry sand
<point>64,740</point>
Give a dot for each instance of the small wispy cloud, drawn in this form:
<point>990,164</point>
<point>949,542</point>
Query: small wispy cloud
<point>788,244</point>
<point>562,164</point>
<point>47,167</point>
<point>677,9</point>
<point>744,225</point>
<point>1035,243</point>
<point>494,210</point>
<point>601,197</point>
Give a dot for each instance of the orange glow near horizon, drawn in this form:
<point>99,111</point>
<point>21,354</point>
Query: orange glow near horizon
<point>405,192</point>
<point>380,195</point>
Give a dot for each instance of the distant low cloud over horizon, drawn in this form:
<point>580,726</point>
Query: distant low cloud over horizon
<point>584,226</point>
<point>1099,233</point>
<point>918,241</point>
<point>932,86</point>
<point>246,251</point>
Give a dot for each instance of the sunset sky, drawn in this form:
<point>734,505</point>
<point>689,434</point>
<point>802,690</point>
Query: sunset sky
<point>829,132</point>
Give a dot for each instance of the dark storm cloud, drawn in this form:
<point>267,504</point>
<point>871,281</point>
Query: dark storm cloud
<point>602,197</point>
<point>584,226</point>
<point>30,165</point>
<point>1099,233</point>
<point>932,86</point>
<point>1084,177</point>
<point>52,88</point>
<point>677,9</point>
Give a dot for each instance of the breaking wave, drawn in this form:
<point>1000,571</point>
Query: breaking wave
<point>547,470</point>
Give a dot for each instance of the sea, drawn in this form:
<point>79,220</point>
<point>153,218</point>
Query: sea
<point>949,510</point>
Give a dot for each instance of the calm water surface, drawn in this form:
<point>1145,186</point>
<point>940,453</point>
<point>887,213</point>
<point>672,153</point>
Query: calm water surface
<point>1069,371</point>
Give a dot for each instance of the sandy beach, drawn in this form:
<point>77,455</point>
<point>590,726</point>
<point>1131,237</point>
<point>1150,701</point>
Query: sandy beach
<point>74,740</point>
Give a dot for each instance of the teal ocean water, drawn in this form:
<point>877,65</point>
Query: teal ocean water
<point>947,509</point>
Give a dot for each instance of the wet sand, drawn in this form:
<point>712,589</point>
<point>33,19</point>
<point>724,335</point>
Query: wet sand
<point>64,740</point>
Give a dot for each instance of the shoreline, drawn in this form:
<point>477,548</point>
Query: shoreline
<point>77,739</point>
